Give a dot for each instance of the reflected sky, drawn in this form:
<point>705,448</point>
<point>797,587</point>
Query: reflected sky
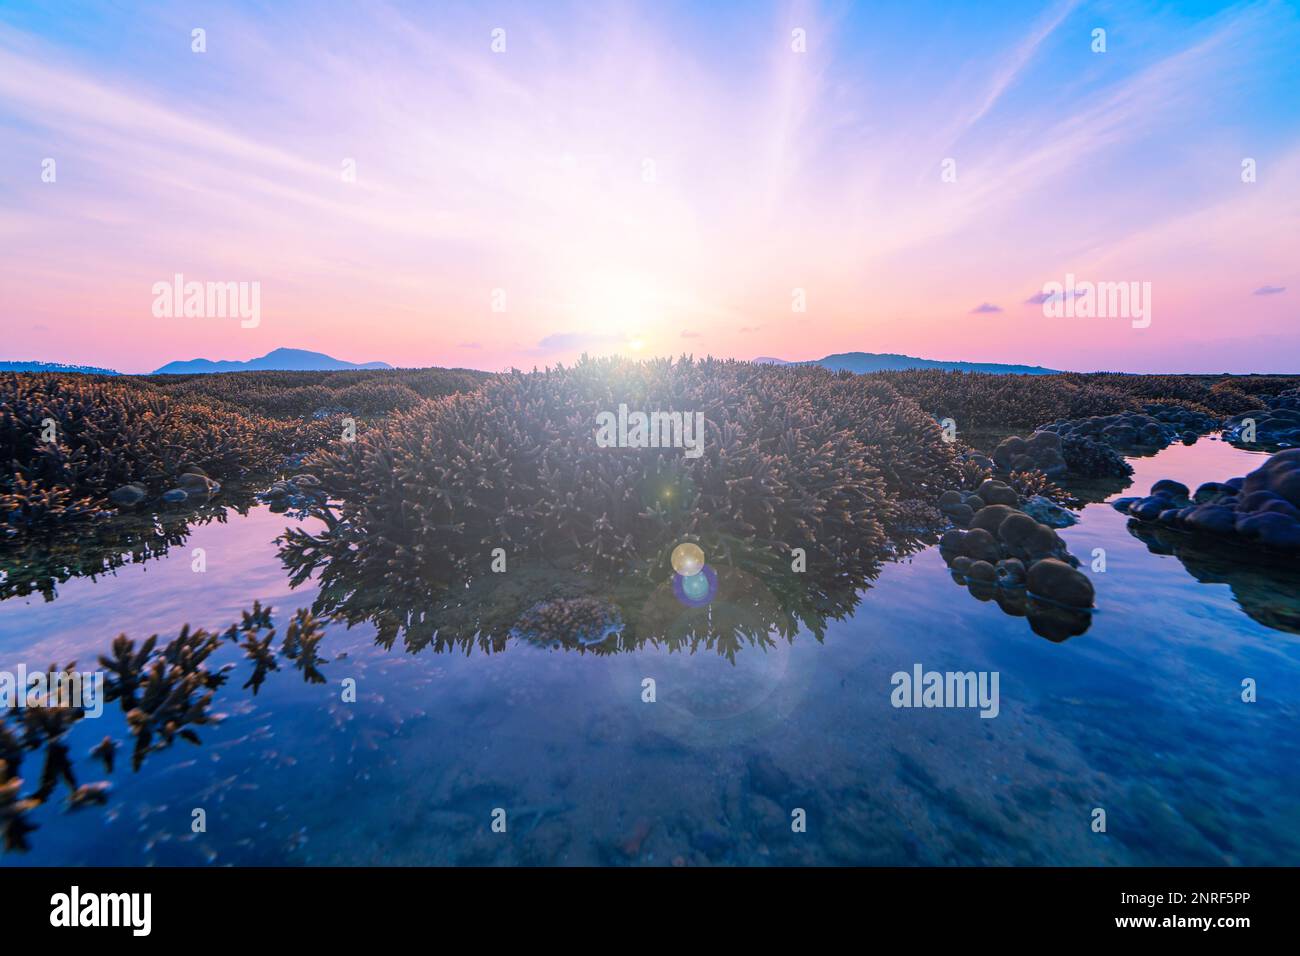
<point>1141,716</point>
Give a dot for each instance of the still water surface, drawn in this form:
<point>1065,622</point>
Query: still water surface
<point>1141,716</point>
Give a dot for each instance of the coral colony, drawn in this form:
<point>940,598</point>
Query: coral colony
<point>653,430</point>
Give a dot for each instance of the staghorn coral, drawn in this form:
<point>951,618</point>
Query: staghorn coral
<point>69,441</point>
<point>164,691</point>
<point>303,394</point>
<point>75,446</point>
<point>793,457</point>
<point>979,401</point>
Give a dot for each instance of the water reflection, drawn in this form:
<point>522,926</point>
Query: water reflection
<point>39,563</point>
<point>566,608</point>
<point>1141,714</point>
<point>1268,591</point>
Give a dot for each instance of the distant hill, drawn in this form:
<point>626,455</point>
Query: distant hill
<point>54,367</point>
<point>292,360</point>
<point>889,362</point>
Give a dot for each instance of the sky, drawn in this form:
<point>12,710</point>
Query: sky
<point>497,185</point>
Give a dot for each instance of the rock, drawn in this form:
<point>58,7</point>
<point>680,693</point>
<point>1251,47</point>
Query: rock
<point>1212,491</point>
<point>1011,572</point>
<point>1017,530</point>
<point>961,514</point>
<point>1057,581</point>
<point>1173,490</point>
<point>193,483</point>
<point>1270,529</point>
<point>951,542</point>
<point>1262,509</point>
<point>1048,512</point>
<point>1148,509</point>
<point>990,517</point>
<point>994,492</point>
<point>980,545</point>
<point>306,481</point>
<point>127,495</point>
<point>174,495</point>
<point>982,572</point>
<point>948,499</point>
<point>1124,504</point>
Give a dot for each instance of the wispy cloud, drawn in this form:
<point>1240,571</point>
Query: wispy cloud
<point>622,175</point>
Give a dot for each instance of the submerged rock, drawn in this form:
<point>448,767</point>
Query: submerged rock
<point>128,495</point>
<point>197,484</point>
<point>1048,512</point>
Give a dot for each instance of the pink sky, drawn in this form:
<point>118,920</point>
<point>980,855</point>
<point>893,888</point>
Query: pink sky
<point>638,181</point>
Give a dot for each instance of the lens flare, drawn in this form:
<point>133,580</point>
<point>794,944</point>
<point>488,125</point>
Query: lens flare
<point>688,559</point>
<point>698,589</point>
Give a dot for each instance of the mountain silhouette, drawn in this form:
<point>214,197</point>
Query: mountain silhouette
<point>294,360</point>
<point>889,362</point>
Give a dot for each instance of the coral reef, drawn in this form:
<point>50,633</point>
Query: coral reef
<point>1276,425</point>
<point>1005,554</point>
<point>1145,431</point>
<point>78,448</point>
<point>978,401</point>
<point>1041,451</point>
<point>793,457</point>
<point>1261,510</point>
<point>306,394</point>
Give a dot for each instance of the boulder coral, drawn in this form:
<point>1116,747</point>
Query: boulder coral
<point>1261,510</point>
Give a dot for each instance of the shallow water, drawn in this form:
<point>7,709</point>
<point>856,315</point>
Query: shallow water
<point>1141,716</point>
